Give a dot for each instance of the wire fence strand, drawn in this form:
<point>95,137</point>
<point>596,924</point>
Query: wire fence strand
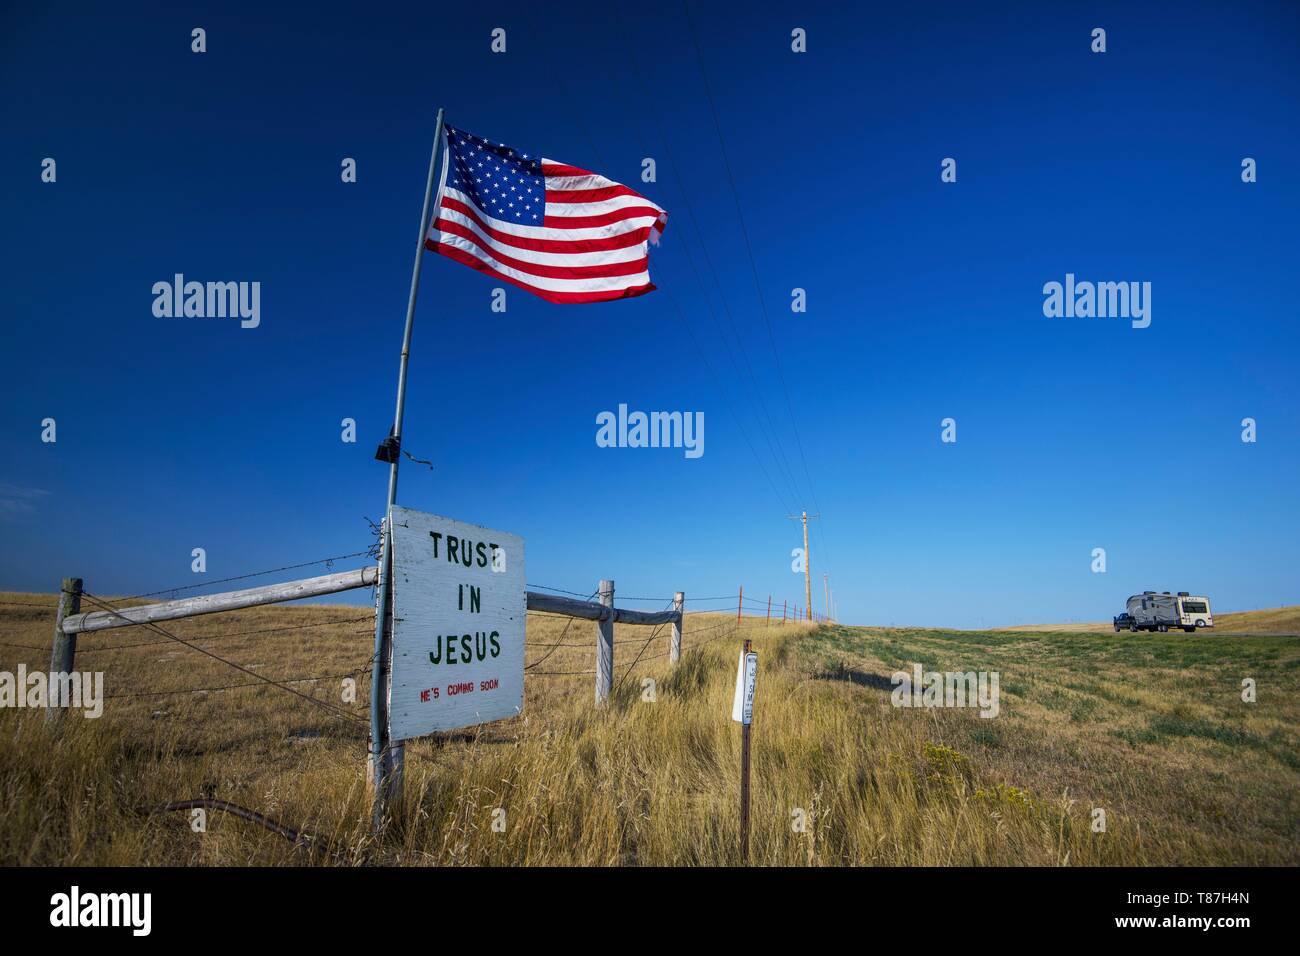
<point>332,708</point>
<point>244,577</point>
<point>254,683</point>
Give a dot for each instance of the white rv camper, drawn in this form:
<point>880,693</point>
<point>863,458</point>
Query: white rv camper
<point>1160,610</point>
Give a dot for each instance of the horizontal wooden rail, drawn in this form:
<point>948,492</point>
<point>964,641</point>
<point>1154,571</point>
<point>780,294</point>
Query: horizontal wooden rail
<point>595,611</point>
<point>330,584</point>
<point>226,601</point>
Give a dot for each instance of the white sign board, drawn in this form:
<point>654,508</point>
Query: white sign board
<point>742,705</point>
<point>459,605</point>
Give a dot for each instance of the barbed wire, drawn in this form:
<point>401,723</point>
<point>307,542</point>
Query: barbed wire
<point>255,683</point>
<point>587,597</point>
<point>567,624</point>
<point>222,637</point>
<point>543,587</point>
<point>685,650</point>
<point>331,708</point>
<point>259,679</point>
<point>716,637</point>
<point>553,614</point>
<point>244,577</point>
<point>705,630</point>
<point>653,635</point>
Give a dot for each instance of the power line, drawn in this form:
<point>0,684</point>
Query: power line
<point>770,434</point>
<point>562,86</point>
<point>749,250</point>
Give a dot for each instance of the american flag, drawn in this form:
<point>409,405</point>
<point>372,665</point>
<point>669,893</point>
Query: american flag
<point>563,233</point>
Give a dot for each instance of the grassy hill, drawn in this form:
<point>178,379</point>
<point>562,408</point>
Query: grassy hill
<point>1278,620</point>
<point>1151,729</point>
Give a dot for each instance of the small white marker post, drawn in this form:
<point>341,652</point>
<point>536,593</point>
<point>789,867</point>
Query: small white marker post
<point>742,711</point>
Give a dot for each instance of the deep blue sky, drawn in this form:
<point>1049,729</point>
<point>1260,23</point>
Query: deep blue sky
<point>925,299</point>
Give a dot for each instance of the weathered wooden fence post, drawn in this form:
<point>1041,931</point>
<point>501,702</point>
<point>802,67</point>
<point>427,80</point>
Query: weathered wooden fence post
<point>675,647</point>
<point>605,644</point>
<point>63,653</point>
<point>394,750</point>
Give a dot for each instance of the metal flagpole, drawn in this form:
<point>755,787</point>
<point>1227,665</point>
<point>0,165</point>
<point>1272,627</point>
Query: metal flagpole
<point>385,770</point>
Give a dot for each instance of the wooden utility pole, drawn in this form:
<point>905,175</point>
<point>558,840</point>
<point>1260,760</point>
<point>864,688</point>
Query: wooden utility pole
<point>807,558</point>
<point>769,611</point>
<point>740,607</point>
<point>785,606</point>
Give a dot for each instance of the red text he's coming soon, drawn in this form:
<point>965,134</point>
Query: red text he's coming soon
<point>453,690</point>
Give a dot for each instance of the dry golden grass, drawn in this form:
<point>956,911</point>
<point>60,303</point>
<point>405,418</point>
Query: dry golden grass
<point>1273,620</point>
<point>1149,727</point>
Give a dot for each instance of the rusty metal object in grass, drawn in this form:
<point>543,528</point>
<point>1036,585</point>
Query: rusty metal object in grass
<point>297,838</point>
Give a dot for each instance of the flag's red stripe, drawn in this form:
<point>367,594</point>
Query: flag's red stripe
<point>604,219</point>
<point>622,241</point>
<point>464,258</point>
<point>590,195</point>
<point>563,169</point>
<point>549,272</point>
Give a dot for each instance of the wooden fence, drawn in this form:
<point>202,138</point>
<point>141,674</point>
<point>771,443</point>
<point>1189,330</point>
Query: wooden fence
<point>71,621</point>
